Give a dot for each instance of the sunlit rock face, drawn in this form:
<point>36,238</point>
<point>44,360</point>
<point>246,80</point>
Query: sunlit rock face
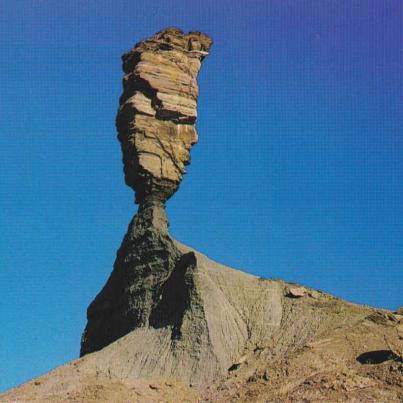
<point>156,129</point>
<point>158,110</point>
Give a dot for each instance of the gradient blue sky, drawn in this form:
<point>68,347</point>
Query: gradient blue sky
<point>297,175</point>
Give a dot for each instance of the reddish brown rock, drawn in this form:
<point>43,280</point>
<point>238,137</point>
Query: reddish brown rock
<point>158,111</point>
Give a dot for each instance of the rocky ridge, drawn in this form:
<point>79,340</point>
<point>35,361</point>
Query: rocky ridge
<point>316,348</point>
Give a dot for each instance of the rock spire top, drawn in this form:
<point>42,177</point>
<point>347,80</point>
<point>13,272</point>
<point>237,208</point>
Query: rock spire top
<point>158,110</point>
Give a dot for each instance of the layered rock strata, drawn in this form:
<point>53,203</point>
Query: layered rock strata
<point>156,128</point>
<point>158,110</point>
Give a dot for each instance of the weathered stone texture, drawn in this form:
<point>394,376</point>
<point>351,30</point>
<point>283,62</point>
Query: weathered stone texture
<point>156,129</point>
<point>158,111</point>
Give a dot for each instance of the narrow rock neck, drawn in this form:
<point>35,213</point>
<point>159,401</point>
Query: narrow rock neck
<point>151,214</point>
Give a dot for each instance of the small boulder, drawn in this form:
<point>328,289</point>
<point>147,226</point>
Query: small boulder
<point>295,292</point>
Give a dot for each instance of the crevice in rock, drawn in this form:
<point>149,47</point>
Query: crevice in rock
<point>175,296</point>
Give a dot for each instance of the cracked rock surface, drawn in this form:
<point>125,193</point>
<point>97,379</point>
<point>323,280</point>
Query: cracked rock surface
<point>158,110</point>
<point>151,284</point>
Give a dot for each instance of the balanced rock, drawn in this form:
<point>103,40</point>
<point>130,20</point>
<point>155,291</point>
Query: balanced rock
<point>169,313</point>
<point>157,110</point>
<point>155,124</point>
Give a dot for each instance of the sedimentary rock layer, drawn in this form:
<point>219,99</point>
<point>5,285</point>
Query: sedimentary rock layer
<point>149,282</point>
<point>158,110</point>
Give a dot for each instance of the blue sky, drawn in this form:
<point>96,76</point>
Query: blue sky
<point>297,174</point>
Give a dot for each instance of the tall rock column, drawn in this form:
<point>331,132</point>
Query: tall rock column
<point>156,129</point>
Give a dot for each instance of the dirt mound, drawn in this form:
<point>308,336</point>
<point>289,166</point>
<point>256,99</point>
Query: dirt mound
<point>244,339</point>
